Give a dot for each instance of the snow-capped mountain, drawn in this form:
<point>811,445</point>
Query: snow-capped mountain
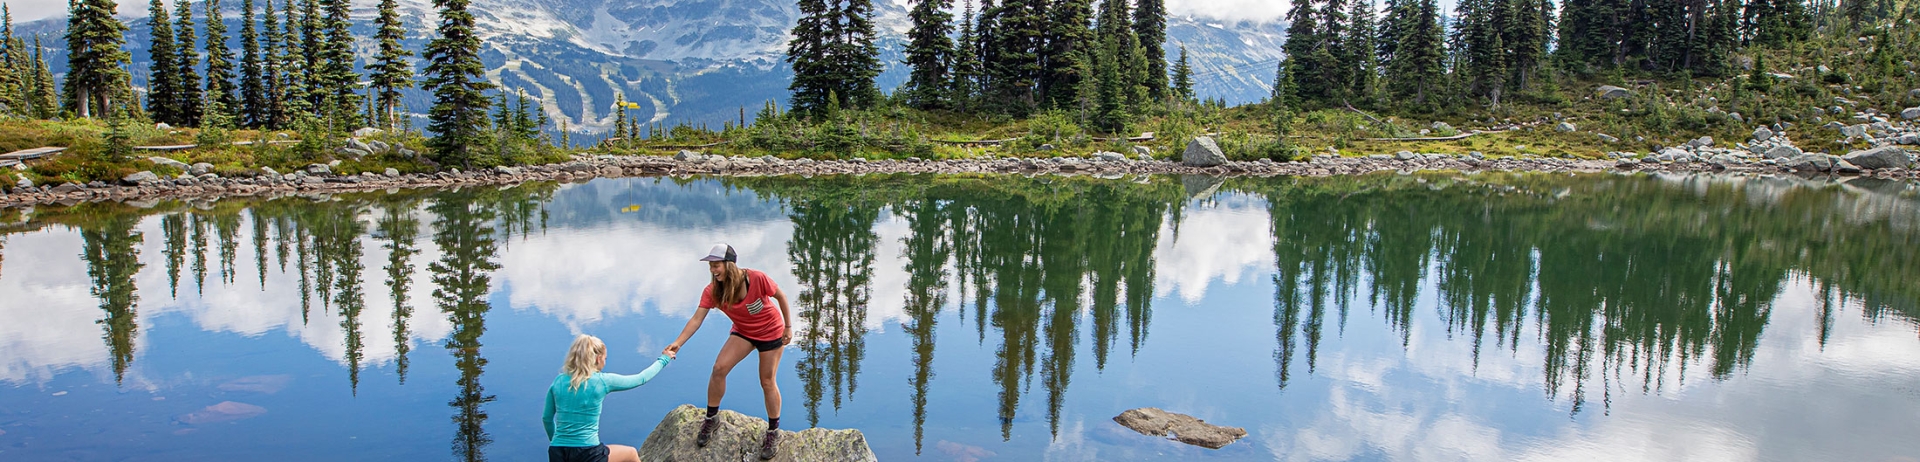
<point>697,61</point>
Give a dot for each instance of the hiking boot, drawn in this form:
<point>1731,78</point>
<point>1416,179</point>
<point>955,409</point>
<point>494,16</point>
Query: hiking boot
<point>706,431</point>
<point>767,444</point>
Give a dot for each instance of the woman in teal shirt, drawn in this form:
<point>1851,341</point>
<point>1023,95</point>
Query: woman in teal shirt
<point>572,415</point>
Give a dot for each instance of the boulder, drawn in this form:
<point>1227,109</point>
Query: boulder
<point>1608,138</point>
<point>1880,158</point>
<point>1783,152</point>
<point>269,171</point>
<point>319,169</point>
<point>1109,156</point>
<point>1702,142</point>
<point>165,162</point>
<point>162,126</point>
<point>688,156</point>
<point>1565,127</point>
<point>1442,127</point>
<point>1843,167</point>
<point>1854,131</point>
<point>1143,152</point>
<point>64,188</point>
<point>23,182</point>
<point>355,153</point>
<point>1404,155</point>
<point>140,177</point>
<point>505,170</point>
<point>1047,147</point>
<point>1810,162</point>
<point>200,168</point>
<point>1762,134</point>
<point>1179,427</point>
<point>391,172</point>
<point>377,146</point>
<point>1910,113</point>
<point>407,153</point>
<point>738,438</point>
<point>366,132</point>
<point>1202,152</point>
<point>1612,92</point>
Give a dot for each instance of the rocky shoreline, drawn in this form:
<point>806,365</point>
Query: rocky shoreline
<point>146,188</point>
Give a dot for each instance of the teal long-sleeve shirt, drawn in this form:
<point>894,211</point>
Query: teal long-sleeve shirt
<point>572,416</point>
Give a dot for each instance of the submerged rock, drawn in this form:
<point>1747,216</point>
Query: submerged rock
<point>1178,427</point>
<point>738,438</point>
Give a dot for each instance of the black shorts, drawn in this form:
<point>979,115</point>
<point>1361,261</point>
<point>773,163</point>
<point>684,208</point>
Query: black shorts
<point>762,345</point>
<point>575,454</point>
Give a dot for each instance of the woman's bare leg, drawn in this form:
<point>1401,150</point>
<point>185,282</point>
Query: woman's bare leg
<point>622,453</point>
<point>735,350</point>
<point>769,384</point>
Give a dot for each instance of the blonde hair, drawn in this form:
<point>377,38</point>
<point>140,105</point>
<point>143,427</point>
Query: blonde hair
<point>582,359</point>
<point>731,287</point>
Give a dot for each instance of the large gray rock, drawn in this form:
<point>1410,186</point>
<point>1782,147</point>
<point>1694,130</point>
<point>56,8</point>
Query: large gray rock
<point>738,439</point>
<point>1854,131</point>
<point>1879,158</point>
<point>1565,127</point>
<point>366,132</point>
<point>319,169</point>
<point>1910,113</point>
<point>1783,152</point>
<point>269,171</point>
<point>200,169</point>
<point>1702,142</point>
<point>1143,152</point>
<point>688,156</point>
<point>1613,92</point>
<point>140,177</point>
<point>165,162</point>
<point>1762,134</point>
<point>1179,427</point>
<point>1609,139</point>
<point>1109,156</point>
<point>1811,162</point>
<point>1202,152</point>
<point>23,183</point>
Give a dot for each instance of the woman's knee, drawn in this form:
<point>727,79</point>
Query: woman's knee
<point>768,381</point>
<point>622,453</point>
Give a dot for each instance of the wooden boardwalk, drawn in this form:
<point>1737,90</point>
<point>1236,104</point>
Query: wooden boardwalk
<point>30,154</point>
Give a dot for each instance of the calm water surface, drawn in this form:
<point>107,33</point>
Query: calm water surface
<point>1385,317</point>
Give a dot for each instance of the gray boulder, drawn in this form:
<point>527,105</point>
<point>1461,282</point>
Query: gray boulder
<point>1854,131</point>
<point>1782,152</point>
<point>377,146</point>
<point>162,126</point>
<point>1405,155</point>
<point>738,438</point>
<point>366,132</point>
<point>1704,141</point>
<point>1179,427</point>
<point>1762,134</point>
<point>1565,127</point>
<point>138,178</point>
<point>407,153</point>
<point>1047,147</point>
<point>1442,127</point>
<point>391,172</point>
<point>1810,162</point>
<point>1143,152</point>
<point>165,162</point>
<point>64,188</point>
<point>1202,152</point>
<point>1844,167</point>
<point>355,153</point>
<point>688,156</point>
<point>319,169</point>
<point>1910,113</point>
<point>1109,156</point>
<point>200,168</point>
<point>23,182</point>
<point>269,171</point>
<point>1613,92</point>
<point>1609,139</point>
<point>1879,158</point>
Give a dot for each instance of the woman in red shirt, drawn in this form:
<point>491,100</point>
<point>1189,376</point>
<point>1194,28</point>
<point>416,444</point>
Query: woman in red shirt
<point>743,295</point>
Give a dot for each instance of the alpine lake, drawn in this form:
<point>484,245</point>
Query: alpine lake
<point>1410,317</point>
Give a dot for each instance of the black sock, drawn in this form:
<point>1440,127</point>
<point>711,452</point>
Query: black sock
<point>773,424</point>
<point>712,411</point>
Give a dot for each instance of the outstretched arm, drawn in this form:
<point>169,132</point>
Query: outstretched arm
<point>617,382</point>
<point>693,325</point>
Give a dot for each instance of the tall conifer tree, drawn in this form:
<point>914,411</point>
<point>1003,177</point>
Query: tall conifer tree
<point>458,82</point>
<point>41,97</point>
<point>833,55</point>
<point>1529,28</point>
<point>270,68</point>
<point>253,84</point>
<point>1150,27</point>
<point>391,71</point>
<point>966,63</point>
<point>808,53</point>
<point>930,54</point>
<point>220,76</point>
<point>1014,65</point>
<point>1364,64</point>
<point>163,77</point>
<point>12,79</point>
<point>1182,78</point>
<point>187,55</point>
<point>295,102</point>
<point>1066,40</point>
<point>339,83</point>
<point>96,59</point>
<point>1417,65</point>
<point>1484,55</point>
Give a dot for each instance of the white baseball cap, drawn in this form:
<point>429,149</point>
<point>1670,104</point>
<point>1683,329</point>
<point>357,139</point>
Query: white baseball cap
<point>721,252</point>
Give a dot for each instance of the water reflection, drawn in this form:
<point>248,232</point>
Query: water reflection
<point>1619,285</point>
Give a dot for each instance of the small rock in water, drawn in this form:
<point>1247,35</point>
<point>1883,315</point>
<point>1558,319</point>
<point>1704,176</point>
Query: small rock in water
<point>1183,428</point>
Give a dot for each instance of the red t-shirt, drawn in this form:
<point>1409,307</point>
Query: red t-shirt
<point>755,316</point>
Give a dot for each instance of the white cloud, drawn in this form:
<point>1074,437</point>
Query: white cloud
<point>1225,240</point>
<point>1231,10</point>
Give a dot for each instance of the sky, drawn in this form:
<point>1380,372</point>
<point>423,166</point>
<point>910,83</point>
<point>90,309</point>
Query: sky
<point>1257,10</point>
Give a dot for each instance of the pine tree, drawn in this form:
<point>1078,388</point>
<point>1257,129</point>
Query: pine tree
<point>1589,34</point>
<point>1150,27</point>
<point>163,79</point>
<point>1418,62</point>
<point>296,101</point>
<point>458,82</point>
<point>219,62</point>
<point>96,76</point>
<point>833,55</point>
<point>1526,34</point>
<point>339,85</point>
<point>1014,65</point>
<point>1364,64</point>
<point>254,111</point>
<point>270,69</point>
<point>808,54</point>
<point>41,97</point>
<point>1117,44</point>
<point>857,53</point>
<point>391,70</point>
<point>930,54</point>
<point>12,80</point>
<point>966,64</point>
<point>1484,58</point>
<point>187,55</point>
<point>1063,43</point>
<point>1182,78</point>
<point>312,37</point>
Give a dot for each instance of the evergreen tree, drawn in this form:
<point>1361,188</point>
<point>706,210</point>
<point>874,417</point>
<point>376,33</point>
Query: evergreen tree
<point>254,111</point>
<point>295,100</point>
<point>1392,26</point>
<point>391,70</point>
<point>1417,66</point>
<point>1484,55</point>
<point>1589,34</point>
<point>1014,65</point>
<point>1321,64</point>
<point>1064,43</point>
<point>338,84</point>
<point>270,69</point>
<point>1776,23</point>
<point>219,62</point>
<point>187,55</point>
<point>966,64</point>
<point>833,55</point>
<point>163,77</point>
<point>1150,27</point>
<point>312,39</point>
<point>41,98</point>
<point>808,53</point>
<point>12,80</point>
<point>1528,29</point>
<point>458,82</point>
<point>1117,46</point>
<point>1182,78</point>
<point>1360,50</point>
<point>930,54</point>
<point>96,76</point>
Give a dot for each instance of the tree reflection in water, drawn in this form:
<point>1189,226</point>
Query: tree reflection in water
<point>832,254</point>
<point>112,261</point>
